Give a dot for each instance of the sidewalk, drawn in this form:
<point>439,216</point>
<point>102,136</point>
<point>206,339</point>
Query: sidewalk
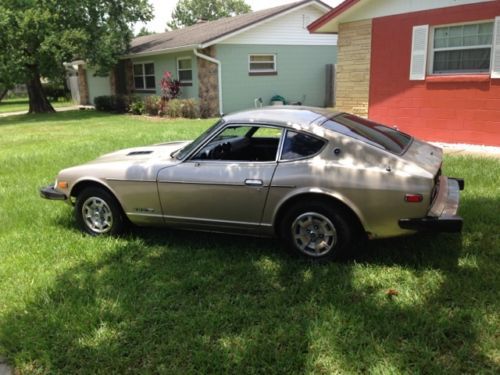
<point>4,368</point>
<point>467,149</point>
<point>62,109</point>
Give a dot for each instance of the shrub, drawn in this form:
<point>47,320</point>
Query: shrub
<point>190,108</point>
<point>152,105</point>
<point>120,103</point>
<point>111,103</point>
<point>173,108</point>
<point>170,88</point>
<point>136,106</point>
<point>103,103</point>
<point>54,91</point>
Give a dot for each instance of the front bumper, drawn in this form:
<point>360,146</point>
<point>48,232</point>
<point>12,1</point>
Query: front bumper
<point>49,192</point>
<point>442,216</point>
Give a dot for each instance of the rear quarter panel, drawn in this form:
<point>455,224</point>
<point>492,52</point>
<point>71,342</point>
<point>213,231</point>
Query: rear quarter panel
<point>372,183</point>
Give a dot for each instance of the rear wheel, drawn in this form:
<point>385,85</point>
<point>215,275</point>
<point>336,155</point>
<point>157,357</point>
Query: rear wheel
<point>98,212</point>
<point>317,231</point>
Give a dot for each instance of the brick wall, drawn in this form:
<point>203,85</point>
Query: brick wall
<point>82,85</point>
<point>353,67</point>
<point>208,84</point>
<point>449,108</point>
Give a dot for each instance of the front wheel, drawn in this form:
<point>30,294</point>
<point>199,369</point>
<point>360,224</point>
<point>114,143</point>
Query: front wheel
<point>98,212</point>
<point>317,231</point>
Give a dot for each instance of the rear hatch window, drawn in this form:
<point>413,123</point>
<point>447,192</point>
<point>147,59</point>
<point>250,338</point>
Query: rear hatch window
<point>370,132</point>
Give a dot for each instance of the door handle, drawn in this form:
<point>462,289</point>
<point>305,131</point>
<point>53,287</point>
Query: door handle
<point>250,182</point>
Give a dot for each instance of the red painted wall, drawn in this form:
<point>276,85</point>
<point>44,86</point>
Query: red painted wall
<point>467,111</point>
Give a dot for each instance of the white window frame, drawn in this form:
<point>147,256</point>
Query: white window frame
<point>431,50</point>
<point>144,75</point>
<point>263,71</point>
<point>184,70</point>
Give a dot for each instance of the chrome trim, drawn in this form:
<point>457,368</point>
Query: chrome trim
<point>254,182</point>
<point>453,200</point>
<point>187,218</point>
<point>197,163</point>
<point>284,186</point>
<point>143,215</point>
<point>129,180</point>
<point>207,183</point>
<point>447,199</point>
<point>439,202</point>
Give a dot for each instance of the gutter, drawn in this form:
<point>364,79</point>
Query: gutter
<point>158,52</point>
<point>219,67</point>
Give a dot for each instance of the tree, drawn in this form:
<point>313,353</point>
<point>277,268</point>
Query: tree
<point>38,36</point>
<point>188,12</point>
<point>143,32</point>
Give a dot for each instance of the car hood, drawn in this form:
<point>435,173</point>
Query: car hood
<point>141,154</point>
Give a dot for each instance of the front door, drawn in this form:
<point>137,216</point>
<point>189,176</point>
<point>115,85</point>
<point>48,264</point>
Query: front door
<point>226,183</point>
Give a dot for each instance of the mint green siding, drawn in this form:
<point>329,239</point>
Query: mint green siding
<point>301,74</point>
<point>168,62</point>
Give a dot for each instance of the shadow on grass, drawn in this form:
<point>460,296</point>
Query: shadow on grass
<point>180,302</point>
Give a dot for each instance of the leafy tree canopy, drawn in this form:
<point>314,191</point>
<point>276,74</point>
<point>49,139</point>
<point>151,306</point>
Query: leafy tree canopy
<point>188,12</point>
<point>39,35</point>
<point>143,32</point>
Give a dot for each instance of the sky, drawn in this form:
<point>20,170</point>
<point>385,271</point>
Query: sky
<point>163,9</point>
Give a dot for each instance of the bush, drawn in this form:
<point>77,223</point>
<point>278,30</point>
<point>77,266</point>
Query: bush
<point>152,105</point>
<point>103,103</point>
<point>54,92</point>
<point>112,103</point>
<point>173,108</point>
<point>190,108</point>
<point>136,106</point>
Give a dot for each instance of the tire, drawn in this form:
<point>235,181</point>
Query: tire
<point>98,213</point>
<point>317,231</point>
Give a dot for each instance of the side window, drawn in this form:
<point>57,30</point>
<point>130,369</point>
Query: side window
<point>144,76</point>
<point>299,145</point>
<point>243,143</point>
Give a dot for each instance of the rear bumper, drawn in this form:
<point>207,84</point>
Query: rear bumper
<point>49,192</point>
<point>451,224</point>
<point>442,216</point>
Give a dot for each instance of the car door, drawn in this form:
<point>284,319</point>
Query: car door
<point>225,182</point>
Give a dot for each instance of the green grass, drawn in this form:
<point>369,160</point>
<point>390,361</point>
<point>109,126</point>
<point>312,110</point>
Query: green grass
<point>22,104</point>
<point>165,301</point>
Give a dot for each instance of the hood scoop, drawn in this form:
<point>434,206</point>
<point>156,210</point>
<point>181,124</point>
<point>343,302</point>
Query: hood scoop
<point>134,153</point>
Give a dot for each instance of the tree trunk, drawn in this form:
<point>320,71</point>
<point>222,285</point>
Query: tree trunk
<point>3,93</point>
<point>38,100</point>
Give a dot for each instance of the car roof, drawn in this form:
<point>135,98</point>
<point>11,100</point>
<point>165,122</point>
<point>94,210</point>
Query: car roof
<point>283,115</point>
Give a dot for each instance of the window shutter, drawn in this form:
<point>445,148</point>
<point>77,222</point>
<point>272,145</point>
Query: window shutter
<point>419,53</point>
<point>495,68</point>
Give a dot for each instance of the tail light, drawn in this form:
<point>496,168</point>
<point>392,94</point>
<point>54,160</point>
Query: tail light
<point>414,198</point>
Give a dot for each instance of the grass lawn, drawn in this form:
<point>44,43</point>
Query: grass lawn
<point>22,104</point>
<point>165,301</point>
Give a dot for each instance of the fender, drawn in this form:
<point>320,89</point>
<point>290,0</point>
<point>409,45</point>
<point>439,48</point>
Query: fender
<point>319,191</point>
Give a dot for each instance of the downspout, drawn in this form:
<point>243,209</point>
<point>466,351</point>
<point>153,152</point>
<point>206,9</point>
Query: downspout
<point>219,73</point>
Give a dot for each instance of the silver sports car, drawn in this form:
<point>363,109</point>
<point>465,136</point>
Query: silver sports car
<point>318,179</point>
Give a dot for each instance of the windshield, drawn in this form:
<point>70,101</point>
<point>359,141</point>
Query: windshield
<point>370,132</point>
<point>183,152</point>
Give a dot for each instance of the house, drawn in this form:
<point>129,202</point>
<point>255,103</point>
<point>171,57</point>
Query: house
<point>231,63</point>
<point>431,67</point>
